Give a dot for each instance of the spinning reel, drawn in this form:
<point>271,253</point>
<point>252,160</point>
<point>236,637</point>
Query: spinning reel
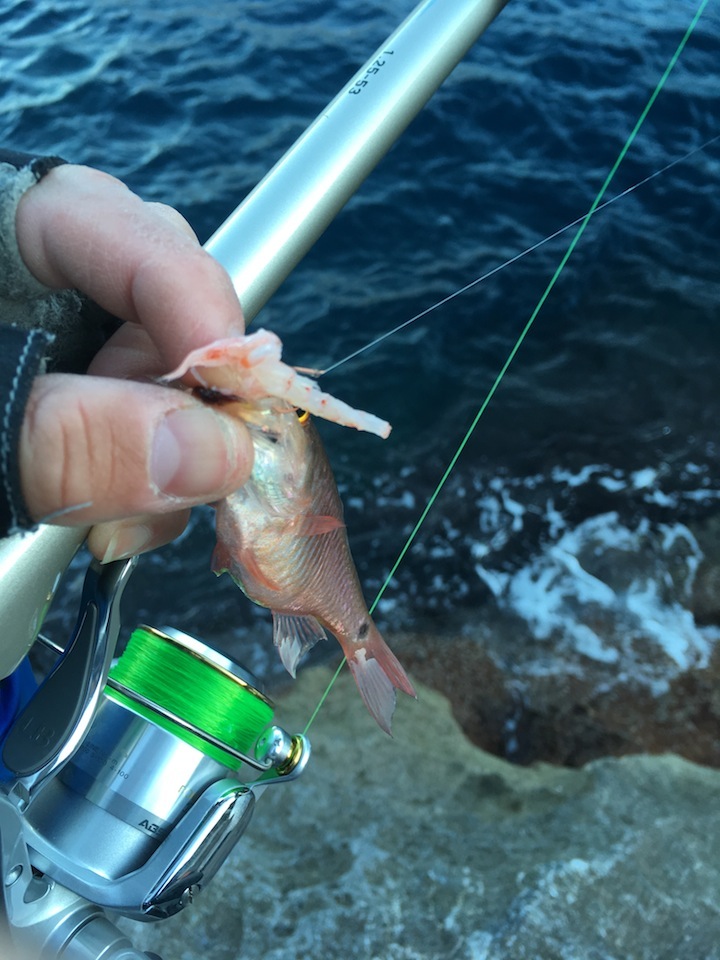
<point>127,779</point>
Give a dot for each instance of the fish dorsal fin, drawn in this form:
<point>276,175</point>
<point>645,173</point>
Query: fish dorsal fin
<point>294,636</point>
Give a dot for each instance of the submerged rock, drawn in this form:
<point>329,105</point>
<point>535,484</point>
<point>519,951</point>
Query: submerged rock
<point>424,847</point>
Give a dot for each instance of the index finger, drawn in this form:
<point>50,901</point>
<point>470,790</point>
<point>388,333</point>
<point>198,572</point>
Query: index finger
<point>82,228</point>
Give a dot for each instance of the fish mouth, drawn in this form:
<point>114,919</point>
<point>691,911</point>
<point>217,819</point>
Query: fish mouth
<point>214,397</point>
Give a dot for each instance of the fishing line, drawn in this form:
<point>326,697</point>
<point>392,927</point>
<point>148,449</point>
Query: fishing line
<point>526,329</point>
<point>177,688</point>
<point>516,257</point>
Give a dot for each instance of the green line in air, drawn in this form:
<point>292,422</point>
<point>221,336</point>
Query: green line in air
<point>526,329</point>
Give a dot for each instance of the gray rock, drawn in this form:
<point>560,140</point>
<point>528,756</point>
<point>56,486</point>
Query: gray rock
<point>424,847</point>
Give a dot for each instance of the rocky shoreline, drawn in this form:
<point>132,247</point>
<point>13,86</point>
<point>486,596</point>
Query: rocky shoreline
<point>551,795</point>
<point>425,847</point>
<point>630,666</point>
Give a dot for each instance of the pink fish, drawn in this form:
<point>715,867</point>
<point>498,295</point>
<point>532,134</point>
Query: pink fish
<point>281,537</point>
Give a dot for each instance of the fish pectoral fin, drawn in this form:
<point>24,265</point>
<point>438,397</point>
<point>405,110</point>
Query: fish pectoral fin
<point>294,636</point>
<point>314,525</point>
<point>221,559</point>
<point>244,571</point>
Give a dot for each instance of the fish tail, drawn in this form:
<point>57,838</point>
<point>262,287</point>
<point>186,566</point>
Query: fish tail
<point>378,674</point>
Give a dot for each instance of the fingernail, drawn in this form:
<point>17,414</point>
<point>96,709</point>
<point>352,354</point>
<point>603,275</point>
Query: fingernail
<point>126,542</point>
<point>192,452</point>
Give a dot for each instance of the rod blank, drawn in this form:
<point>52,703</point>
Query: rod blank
<point>280,220</point>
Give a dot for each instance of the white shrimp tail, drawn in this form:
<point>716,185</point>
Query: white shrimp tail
<point>307,395</point>
<point>253,370</point>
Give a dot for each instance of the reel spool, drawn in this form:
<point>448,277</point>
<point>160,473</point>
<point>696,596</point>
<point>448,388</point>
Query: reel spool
<point>200,696</point>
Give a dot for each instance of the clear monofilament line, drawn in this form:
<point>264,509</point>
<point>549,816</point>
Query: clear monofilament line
<point>514,259</point>
<point>526,329</point>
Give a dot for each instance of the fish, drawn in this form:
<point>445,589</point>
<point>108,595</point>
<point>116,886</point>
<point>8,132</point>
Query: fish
<point>282,536</point>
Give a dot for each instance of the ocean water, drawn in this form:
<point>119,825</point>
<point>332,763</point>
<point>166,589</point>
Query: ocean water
<point>607,420</point>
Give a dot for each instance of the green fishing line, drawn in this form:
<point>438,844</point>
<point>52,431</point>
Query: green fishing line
<point>198,691</point>
<point>526,329</point>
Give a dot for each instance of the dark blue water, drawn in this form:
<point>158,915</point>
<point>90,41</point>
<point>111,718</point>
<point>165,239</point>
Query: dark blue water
<point>611,406</point>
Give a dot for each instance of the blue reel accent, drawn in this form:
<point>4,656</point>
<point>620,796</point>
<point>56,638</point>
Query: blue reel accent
<point>15,692</point>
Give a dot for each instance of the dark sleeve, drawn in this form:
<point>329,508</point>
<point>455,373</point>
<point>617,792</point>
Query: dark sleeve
<point>22,357</point>
<point>38,165</point>
<point>40,331</point>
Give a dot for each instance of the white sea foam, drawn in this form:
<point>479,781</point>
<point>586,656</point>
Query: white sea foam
<point>613,484</point>
<point>496,580</point>
<point>547,593</point>
<point>566,590</point>
<point>578,478</point>
<point>641,479</point>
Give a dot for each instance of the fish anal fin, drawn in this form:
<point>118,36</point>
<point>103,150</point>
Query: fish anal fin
<point>294,636</point>
<point>378,674</point>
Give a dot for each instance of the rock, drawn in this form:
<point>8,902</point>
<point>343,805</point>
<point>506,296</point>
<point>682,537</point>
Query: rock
<point>605,643</point>
<point>567,716</point>
<point>424,847</point>
<point>706,588</point>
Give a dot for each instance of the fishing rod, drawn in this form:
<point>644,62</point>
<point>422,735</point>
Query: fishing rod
<point>171,821</point>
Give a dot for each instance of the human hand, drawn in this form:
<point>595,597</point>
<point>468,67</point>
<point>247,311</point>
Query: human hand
<point>112,449</point>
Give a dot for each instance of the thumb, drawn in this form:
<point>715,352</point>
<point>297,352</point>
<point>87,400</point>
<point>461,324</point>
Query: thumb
<point>103,449</point>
